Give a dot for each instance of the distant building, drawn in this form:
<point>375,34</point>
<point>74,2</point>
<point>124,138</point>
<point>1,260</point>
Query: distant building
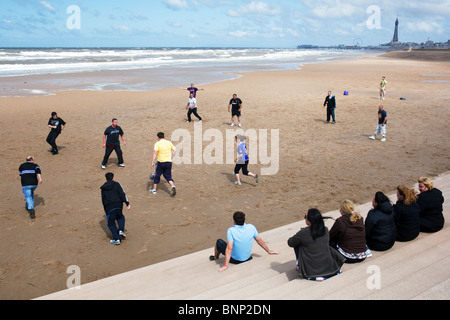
<point>393,45</point>
<point>395,38</point>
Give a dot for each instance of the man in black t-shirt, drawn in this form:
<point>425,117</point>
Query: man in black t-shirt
<point>30,177</point>
<point>235,107</point>
<point>111,142</point>
<point>56,124</point>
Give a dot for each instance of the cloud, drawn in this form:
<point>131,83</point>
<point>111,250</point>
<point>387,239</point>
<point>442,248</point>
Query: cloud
<point>425,26</point>
<point>335,10</point>
<point>255,7</point>
<point>238,34</point>
<point>174,24</point>
<point>176,4</point>
<point>48,6</point>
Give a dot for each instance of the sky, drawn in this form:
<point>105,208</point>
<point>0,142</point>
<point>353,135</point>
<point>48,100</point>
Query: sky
<point>219,23</point>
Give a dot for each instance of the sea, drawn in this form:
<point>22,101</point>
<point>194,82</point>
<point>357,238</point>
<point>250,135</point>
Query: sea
<point>44,71</point>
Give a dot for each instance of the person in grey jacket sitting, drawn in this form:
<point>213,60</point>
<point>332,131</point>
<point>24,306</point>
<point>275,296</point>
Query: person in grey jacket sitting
<point>316,260</point>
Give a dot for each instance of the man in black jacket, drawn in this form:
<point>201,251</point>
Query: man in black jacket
<point>113,197</point>
<point>330,102</point>
<point>56,124</point>
<point>30,177</point>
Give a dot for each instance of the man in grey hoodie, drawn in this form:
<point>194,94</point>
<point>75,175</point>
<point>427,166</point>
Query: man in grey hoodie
<point>113,198</point>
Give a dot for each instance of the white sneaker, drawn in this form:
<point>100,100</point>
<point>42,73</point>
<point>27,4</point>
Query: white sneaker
<point>116,242</point>
<point>173,191</point>
<point>103,167</point>
<point>152,191</point>
<point>372,137</point>
<point>121,233</point>
<point>237,183</point>
<point>240,125</point>
<point>232,124</point>
<point>121,165</point>
<point>383,140</point>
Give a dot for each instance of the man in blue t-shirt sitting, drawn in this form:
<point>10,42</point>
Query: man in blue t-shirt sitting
<point>239,246</point>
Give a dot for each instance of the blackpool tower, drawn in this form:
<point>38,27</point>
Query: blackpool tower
<point>395,38</point>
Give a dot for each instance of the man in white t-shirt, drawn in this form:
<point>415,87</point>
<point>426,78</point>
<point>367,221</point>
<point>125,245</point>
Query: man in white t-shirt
<point>192,106</point>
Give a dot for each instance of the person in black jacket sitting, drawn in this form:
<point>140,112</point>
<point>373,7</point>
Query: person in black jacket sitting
<point>380,225</point>
<point>430,202</point>
<point>407,214</point>
<point>113,198</point>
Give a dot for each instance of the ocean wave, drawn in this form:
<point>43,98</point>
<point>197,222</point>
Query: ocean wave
<point>20,62</point>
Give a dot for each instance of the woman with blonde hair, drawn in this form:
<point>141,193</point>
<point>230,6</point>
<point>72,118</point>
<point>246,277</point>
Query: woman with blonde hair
<point>430,202</point>
<point>348,234</point>
<point>407,214</point>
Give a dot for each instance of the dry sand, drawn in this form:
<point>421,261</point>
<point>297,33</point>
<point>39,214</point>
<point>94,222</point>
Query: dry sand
<point>320,164</point>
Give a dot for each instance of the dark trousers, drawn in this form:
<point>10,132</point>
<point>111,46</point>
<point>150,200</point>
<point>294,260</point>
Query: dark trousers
<point>193,111</point>
<point>330,113</point>
<point>109,150</point>
<point>243,166</point>
<point>112,216</point>
<point>165,169</point>
<point>51,140</point>
<point>221,246</point>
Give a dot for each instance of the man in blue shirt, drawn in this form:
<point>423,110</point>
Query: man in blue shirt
<point>238,247</point>
<point>381,127</point>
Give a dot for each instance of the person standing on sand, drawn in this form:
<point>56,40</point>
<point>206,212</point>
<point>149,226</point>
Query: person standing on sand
<point>238,248</point>
<point>192,89</point>
<point>30,176</point>
<point>235,107</point>
<point>163,151</point>
<point>242,161</point>
<point>383,84</point>
<point>111,142</point>
<point>113,198</point>
<point>381,127</point>
<point>192,106</point>
<point>330,102</point>
<point>57,125</point>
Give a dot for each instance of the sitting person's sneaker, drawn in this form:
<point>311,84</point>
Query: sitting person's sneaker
<point>115,242</point>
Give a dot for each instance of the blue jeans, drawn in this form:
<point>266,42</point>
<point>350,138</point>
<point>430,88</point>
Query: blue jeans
<point>113,215</point>
<point>28,192</point>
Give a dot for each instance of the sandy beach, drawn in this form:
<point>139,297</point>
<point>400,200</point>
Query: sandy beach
<point>319,164</point>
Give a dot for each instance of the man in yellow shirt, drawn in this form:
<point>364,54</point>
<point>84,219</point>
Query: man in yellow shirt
<point>163,152</point>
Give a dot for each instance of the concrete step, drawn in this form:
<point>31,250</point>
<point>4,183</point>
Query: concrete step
<point>352,283</point>
<point>418,269</point>
<point>438,292</point>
